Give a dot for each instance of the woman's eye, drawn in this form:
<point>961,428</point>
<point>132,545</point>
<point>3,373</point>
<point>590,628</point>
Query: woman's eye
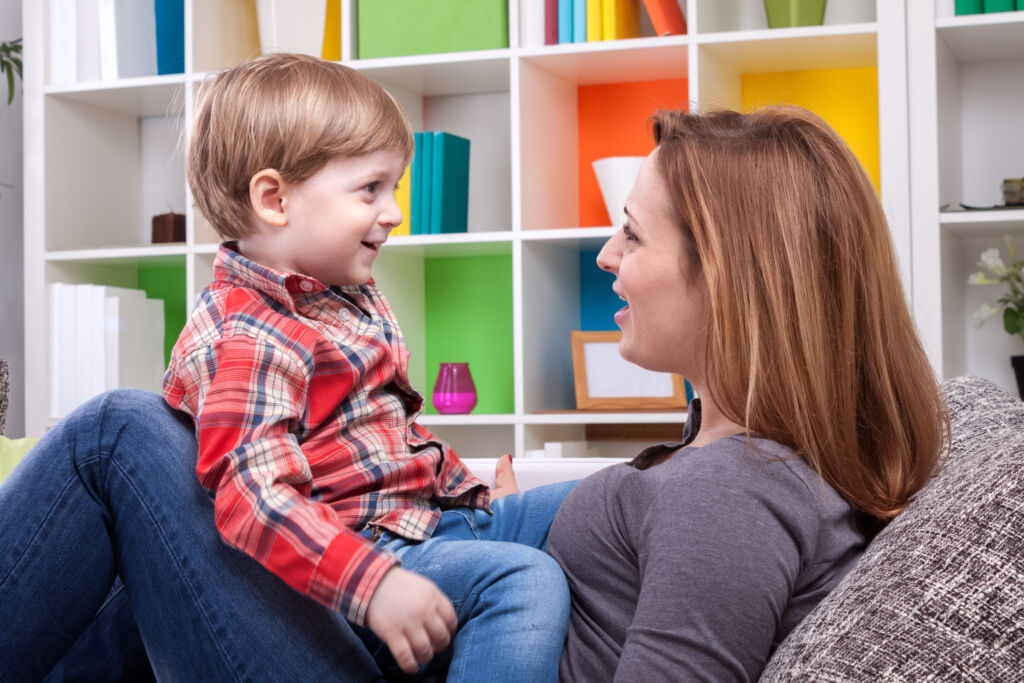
<point>630,235</point>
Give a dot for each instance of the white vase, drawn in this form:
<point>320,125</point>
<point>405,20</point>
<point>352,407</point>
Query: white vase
<point>292,25</point>
<point>615,176</point>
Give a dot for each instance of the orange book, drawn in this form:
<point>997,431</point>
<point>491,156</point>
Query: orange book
<point>666,17</point>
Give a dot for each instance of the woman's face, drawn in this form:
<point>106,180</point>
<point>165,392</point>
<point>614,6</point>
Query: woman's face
<point>662,323</point>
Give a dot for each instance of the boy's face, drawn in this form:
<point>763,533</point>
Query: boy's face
<point>339,218</point>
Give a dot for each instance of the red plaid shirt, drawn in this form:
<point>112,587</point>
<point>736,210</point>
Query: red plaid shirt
<point>307,428</point>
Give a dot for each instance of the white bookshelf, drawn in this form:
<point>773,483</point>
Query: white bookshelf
<point>966,82</point>
<point>100,158</point>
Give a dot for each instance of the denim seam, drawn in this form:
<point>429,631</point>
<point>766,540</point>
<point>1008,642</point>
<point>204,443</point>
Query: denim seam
<point>207,621</point>
<point>35,536</point>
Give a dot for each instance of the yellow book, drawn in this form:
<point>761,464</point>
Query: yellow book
<point>403,196</point>
<point>332,32</point>
<point>620,19</point>
<point>594,12</point>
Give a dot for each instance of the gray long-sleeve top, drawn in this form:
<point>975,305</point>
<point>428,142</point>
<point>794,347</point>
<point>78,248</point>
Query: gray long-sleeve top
<point>696,568</point>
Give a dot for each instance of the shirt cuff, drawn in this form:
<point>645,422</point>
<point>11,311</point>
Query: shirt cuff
<point>348,574</point>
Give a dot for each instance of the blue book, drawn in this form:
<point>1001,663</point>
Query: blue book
<point>579,21</point>
<point>565,21</point>
<point>416,210</point>
<point>170,36</point>
<point>449,202</point>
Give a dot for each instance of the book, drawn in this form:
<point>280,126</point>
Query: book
<point>565,22</point>
<point>579,21</point>
<point>403,197</point>
<point>389,28</point>
<point>416,201</point>
<point>426,184</point>
<point>332,32</point>
<point>127,39</point>
<point>449,202</point>
<point>87,41</point>
<point>550,22</point>
<point>621,19</point>
<point>62,349</point>
<point>63,49</point>
<point>531,23</point>
<point>595,13</point>
<point>169,16</point>
<point>666,17</point>
<point>119,314</point>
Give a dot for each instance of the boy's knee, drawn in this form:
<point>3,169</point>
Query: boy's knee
<point>541,584</point>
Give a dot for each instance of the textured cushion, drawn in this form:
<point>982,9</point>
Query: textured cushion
<point>5,392</point>
<point>939,594</point>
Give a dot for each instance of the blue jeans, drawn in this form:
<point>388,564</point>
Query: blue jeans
<point>110,563</point>
<point>511,598</point>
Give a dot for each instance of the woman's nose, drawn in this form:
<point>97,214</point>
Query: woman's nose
<point>608,258</point>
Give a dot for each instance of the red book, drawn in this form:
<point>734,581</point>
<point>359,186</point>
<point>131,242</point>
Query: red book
<point>551,22</point>
<point>666,17</point>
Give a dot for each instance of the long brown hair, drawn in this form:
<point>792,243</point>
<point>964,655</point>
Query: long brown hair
<point>810,342</point>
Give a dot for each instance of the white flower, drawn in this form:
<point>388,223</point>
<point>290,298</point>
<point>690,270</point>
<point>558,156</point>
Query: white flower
<point>985,312</point>
<point>979,279</point>
<point>991,260</point>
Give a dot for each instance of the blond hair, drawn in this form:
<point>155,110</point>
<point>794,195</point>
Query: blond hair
<point>811,343</point>
<point>288,112</point>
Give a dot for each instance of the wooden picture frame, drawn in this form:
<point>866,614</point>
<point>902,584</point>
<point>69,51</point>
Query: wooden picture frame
<point>620,385</point>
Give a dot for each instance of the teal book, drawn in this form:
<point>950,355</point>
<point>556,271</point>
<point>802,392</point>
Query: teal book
<point>449,196</point>
<point>416,211</point>
<point>389,28</point>
<point>579,21</point>
<point>565,21</point>
<point>426,183</point>
<point>170,36</point>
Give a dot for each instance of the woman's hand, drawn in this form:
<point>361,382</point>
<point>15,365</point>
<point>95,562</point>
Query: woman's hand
<point>504,478</point>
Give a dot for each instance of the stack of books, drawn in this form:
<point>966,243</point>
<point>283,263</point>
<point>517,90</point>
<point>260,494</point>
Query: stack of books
<point>579,21</point>
<point>434,193</point>
<point>102,338</point>
<point>103,40</point>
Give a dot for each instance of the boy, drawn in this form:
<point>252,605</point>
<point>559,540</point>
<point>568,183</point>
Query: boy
<point>294,370</point>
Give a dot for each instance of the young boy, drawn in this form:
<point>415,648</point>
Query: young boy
<point>294,370</point>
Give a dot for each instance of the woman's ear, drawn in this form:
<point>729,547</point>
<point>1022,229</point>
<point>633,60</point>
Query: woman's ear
<point>267,196</point>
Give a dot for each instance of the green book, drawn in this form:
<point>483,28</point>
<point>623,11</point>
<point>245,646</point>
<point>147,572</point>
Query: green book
<point>426,184</point>
<point>999,5</point>
<point>449,195</point>
<point>389,28</point>
<point>969,7</point>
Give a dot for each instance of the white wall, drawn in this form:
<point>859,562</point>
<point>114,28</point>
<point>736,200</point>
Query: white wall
<point>11,284</point>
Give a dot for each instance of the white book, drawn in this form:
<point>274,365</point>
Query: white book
<point>63,52</point>
<point>57,344</point>
<point>127,30</point>
<point>155,366</point>
<point>140,345</point>
<point>90,320</point>
<point>531,23</point>
<point>115,337</point>
<point>88,40</point>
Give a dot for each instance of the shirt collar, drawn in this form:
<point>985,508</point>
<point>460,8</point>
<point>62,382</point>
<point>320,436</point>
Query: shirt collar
<point>230,266</point>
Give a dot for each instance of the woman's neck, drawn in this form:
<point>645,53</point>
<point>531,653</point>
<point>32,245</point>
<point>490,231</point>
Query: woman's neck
<point>713,424</point>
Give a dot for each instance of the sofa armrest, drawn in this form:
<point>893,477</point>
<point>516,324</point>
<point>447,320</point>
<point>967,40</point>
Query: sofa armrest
<point>533,472</point>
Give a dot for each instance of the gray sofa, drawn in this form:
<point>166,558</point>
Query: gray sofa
<point>939,594</point>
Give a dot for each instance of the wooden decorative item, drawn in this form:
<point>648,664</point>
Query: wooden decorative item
<point>606,381</point>
<point>168,227</point>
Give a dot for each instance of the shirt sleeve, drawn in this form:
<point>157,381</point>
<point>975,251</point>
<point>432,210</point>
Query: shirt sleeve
<point>247,395</point>
<point>719,554</point>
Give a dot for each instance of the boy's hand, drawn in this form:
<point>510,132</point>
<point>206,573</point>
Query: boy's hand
<point>412,616</point>
<point>504,478</point>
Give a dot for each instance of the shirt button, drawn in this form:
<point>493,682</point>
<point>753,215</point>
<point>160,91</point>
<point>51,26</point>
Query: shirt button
<point>343,315</point>
<point>306,286</point>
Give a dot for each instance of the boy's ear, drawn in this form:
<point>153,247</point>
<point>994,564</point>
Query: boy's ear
<point>267,197</point>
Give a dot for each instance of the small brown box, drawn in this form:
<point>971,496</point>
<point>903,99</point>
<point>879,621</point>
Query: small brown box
<point>168,227</point>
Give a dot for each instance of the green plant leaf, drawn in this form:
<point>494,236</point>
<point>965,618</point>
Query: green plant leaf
<point>1012,321</point>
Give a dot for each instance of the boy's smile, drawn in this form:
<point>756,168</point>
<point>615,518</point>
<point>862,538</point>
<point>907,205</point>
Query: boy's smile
<point>330,226</point>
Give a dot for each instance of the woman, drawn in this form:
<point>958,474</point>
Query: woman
<point>756,261</point>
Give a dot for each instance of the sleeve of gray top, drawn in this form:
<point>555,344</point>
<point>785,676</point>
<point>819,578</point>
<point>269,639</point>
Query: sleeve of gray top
<point>719,551</point>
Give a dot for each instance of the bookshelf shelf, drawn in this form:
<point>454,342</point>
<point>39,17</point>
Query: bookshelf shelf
<point>524,275</point>
<point>989,224</point>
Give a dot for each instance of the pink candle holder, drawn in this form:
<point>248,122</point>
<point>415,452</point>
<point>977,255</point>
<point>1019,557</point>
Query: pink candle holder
<point>454,391</point>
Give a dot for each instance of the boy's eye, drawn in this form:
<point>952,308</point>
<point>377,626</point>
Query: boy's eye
<point>372,187</point>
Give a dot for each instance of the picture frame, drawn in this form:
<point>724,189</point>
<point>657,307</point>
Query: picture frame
<point>606,381</point>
